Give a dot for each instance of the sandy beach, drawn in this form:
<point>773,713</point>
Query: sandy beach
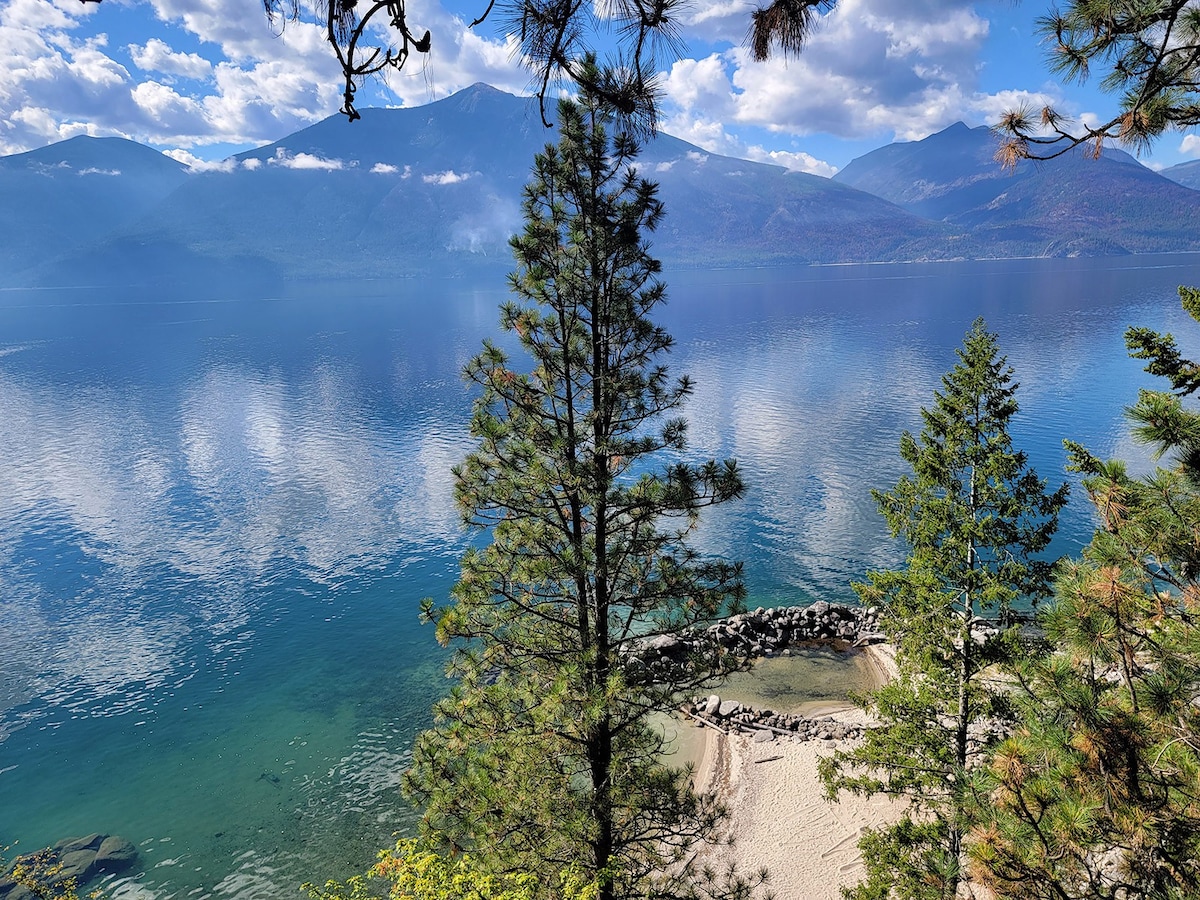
<point>780,818</point>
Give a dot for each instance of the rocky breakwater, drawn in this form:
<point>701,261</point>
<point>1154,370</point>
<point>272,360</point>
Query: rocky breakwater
<point>79,859</point>
<point>763,633</point>
<point>767,632</point>
<point>731,716</point>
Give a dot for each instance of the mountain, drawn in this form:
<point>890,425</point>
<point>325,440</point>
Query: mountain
<point>1071,205</point>
<point>61,197</point>
<point>945,173</point>
<point>437,190</point>
<point>1187,174</point>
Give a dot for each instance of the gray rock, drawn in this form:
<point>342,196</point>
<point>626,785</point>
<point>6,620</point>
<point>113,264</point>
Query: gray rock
<point>728,708</point>
<point>88,842</point>
<point>115,853</point>
<point>77,864</point>
<point>763,736</point>
<point>662,643</point>
<point>711,705</point>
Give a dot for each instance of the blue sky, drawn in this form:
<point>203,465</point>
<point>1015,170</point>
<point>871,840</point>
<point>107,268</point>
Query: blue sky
<point>202,79</point>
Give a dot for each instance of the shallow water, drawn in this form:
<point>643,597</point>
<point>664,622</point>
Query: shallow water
<point>812,678</point>
<point>218,516</point>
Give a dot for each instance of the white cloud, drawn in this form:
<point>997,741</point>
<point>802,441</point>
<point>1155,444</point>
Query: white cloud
<point>156,56</point>
<point>200,165</point>
<point>92,170</point>
<point>713,137</point>
<point>665,166</point>
<point>305,161</point>
<point>251,164</point>
<point>872,69</point>
<point>447,177</point>
<point>793,161</point>
<point>388,169</point>
<point>1190,145</point>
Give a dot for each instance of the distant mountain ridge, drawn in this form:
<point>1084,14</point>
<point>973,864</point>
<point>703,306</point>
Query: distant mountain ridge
<point>59,198</point>
<point>1072,205</point>
<point>436,190</point>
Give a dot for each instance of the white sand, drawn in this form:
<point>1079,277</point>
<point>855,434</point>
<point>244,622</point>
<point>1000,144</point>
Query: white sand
<point>780,819</point>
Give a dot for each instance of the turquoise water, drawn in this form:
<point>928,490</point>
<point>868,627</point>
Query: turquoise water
<point>218,516</point>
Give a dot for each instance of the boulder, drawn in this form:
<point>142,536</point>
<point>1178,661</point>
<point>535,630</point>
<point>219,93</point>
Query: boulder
<point>70,845</point>
<point>728,708</point>
<point>712,705</point>
<point>661,643</point>
<point>115,854</point>
<point>78,864</point>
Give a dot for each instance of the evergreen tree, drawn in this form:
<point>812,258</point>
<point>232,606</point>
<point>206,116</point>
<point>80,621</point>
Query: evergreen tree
<point>974,516</point>
<point>1149,52</point>
<point>544,757</point>
<point>1097,792</point>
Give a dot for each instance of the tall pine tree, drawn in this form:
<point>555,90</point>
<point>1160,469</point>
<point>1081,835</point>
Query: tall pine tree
<point>974,517</point>
<point>1097,792</point>
<point>544,757</point>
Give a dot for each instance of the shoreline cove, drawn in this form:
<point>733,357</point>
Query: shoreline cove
<point>778,816</point>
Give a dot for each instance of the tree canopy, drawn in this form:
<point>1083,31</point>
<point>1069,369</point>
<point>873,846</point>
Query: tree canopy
<point>1149,55</point>
<point>544,757</point>
<point>975,517</point>
<point>1096,794</point>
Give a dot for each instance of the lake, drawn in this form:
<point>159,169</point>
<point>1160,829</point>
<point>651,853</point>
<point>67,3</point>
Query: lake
<point>219,515</point>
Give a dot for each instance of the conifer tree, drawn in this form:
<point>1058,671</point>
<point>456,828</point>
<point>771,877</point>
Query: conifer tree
<point>974,516</point>
<point>1097,792</point>
<point>544,757</point>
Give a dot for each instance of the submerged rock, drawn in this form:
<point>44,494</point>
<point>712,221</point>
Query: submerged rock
<point>78,858</point>
<point>115,854</point>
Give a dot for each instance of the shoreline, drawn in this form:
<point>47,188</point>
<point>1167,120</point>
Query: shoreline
<point>778,817</point>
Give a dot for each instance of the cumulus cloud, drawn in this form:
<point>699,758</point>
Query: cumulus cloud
<point>873,69</point>
<point>251,164</point>
<point>714,137</point>
<point>389,169</point>
<point>156,56</point>
<point>196,164</point>
<point>247,82</point>
<point>792,161</point>
<point>1190,145</point>
<point>305,161</point>
<point>447,177</point>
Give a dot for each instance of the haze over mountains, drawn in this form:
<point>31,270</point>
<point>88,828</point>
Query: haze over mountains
<point>436,190</point>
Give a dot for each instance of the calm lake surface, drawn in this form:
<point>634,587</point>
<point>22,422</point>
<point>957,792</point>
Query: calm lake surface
<point>218,516</point>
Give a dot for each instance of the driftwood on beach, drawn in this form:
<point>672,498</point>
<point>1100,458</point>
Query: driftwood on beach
<point>730,716</point>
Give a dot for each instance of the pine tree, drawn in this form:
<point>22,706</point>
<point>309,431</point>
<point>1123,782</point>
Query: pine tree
<point>1097,792</point>
<point>974,516</point>
<point>544,757</point>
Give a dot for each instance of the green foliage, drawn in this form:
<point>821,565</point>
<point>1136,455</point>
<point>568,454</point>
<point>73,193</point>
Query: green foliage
<point>974,516</point>
<point>41,874</point>
<point>413,871</point>
<point>543,758</point>
<point>1149,52</point>
<point>1097,792</point>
